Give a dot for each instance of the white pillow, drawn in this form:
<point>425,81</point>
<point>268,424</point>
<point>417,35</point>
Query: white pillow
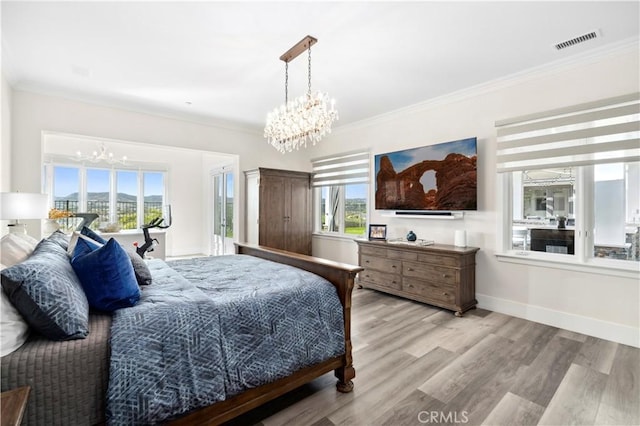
<point>13,328</point>
<point>15,248</point>
<point>74,241</point>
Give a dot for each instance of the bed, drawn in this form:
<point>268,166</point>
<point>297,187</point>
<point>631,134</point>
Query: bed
<point>79,381</point>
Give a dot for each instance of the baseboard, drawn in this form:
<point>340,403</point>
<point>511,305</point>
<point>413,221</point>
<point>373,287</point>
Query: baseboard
<point>580,324</point>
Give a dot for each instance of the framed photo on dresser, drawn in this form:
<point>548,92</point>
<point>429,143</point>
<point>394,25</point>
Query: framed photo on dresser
<point>377,232</point>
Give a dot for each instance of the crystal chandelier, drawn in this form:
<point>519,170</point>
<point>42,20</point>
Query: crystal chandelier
<point>305,119</point>
<point>101,155</point>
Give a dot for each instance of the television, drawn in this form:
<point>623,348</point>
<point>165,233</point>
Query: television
<point>435,178</point>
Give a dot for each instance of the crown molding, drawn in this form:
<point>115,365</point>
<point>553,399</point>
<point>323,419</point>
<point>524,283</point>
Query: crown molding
<point>539,72</point>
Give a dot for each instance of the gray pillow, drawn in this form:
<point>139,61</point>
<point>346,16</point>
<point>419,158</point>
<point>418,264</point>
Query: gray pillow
<point>61,238</point>
<point>140,268</point>
<point>48,294</point>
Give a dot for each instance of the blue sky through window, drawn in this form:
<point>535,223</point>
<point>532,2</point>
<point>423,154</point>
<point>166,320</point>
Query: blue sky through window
<point>66,181</point>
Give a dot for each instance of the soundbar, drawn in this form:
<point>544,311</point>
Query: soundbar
<point>424,213</point>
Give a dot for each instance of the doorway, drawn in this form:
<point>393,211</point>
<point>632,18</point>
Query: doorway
<point>222,182</point>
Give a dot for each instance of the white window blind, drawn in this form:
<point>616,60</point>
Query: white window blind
<point>605,131</point>
<point>342,169</point>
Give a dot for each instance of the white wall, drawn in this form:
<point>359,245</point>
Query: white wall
<point>32,114</point>
<point>601,305</point>
<point>5,142</point>
<point>5,135</point>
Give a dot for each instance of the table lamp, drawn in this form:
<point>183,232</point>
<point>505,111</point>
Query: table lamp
<point>21,206</point>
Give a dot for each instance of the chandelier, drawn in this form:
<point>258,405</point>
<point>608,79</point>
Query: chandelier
<point>102,155</point>
<point>305,119</point>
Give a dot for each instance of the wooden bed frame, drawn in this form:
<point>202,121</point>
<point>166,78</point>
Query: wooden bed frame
<point>342,276</point>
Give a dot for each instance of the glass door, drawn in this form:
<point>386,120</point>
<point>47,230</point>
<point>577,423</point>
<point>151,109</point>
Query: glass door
<point>222,183</point>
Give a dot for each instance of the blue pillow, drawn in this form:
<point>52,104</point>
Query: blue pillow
<point>107,277</point>
<point>47,293</point>
<point>83,247</point>
<point>91,234</point>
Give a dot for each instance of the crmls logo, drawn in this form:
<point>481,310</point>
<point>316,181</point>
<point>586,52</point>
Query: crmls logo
<point>437,417</point>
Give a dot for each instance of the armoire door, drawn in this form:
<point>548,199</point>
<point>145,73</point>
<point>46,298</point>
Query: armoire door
<point>298,215</point>
<point>273,214</point>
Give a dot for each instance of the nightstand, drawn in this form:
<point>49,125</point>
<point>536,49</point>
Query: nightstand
<point>13,403</point>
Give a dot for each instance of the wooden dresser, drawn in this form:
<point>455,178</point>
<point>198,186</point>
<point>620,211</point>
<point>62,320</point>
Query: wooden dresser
<point>439,275</point>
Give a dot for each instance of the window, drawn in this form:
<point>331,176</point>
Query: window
<point>98,194</point>
<point>341,195</point>
<point>130,198</point>
<point>571,179</point>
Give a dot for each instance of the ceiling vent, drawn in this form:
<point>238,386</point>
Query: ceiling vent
<point>576,40</point>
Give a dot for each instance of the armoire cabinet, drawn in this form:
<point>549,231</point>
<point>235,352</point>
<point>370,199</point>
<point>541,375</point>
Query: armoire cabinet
<point>279,212</point>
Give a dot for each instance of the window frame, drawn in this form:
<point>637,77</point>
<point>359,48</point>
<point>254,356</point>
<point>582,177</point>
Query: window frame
<point>582,260</point>
<point>341,212</point>
<point>113,171</point>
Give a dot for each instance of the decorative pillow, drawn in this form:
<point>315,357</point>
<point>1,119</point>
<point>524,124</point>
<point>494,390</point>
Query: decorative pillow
<point>84,246</point>
<point>140,268</point>
<point>60,237</point>
<point>91,234</point>
<point>14,248</point>
<point>14,330</point>
<point>107,277</point>
<point>48,294</point>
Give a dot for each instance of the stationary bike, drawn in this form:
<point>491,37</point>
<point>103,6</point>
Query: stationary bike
<point>150,243</point>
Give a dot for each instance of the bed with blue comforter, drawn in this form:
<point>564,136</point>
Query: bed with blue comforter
<point>210,328</point>
<point>209,339</point>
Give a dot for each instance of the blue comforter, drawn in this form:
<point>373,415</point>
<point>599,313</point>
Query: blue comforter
<point>210,328</point>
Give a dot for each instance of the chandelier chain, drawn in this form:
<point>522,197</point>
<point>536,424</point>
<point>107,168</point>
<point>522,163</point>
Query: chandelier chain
<point>286,82</point>
<point>309,68</point>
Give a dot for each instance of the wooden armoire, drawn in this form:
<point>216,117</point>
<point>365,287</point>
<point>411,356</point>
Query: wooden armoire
<point>279,209</point>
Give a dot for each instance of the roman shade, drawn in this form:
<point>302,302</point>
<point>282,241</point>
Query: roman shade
<point>604,131</point>
<point>341,169</point>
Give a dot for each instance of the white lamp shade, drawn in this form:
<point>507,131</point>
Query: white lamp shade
<point>23,205</point>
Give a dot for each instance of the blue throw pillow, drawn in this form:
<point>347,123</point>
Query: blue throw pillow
<point>91,234</point>
<point>107,277</point>
<point>84,246</point>
<point>47,293</point>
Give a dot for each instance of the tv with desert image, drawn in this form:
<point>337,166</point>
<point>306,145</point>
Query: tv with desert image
<point>440,177</point>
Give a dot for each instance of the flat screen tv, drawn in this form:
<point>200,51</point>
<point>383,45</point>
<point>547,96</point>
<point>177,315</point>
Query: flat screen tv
<point>441,177</point>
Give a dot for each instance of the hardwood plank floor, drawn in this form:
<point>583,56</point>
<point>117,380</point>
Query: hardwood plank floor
<point>416,364</point>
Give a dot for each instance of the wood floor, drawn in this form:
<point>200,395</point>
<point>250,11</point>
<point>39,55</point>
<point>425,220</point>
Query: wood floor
<point>417,365</point>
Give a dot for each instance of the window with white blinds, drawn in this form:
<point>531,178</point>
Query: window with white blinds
<point>341,193</point>
<point>571,179</point>
<point>604,131</point>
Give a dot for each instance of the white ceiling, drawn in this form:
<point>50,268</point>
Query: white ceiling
<point>222,57</point>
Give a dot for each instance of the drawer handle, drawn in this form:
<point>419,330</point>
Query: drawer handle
<point>366,261</point>
<point>445,294</point>
<point>393,282</point>
<point>393,266</point>
<point>444,275</point>
<point>409,269</point>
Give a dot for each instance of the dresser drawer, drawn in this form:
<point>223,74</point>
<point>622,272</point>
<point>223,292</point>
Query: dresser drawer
<point>381,264</point>
<point>439,292</point>
<point>381,279</point>
<point>373,251</point>
<point>430,272</point>
<point>437,259</point>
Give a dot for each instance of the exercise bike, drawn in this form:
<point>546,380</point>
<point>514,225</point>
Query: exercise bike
<point>150,243</point>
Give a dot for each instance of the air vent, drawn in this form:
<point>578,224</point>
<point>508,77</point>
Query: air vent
<point>576,40</point>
